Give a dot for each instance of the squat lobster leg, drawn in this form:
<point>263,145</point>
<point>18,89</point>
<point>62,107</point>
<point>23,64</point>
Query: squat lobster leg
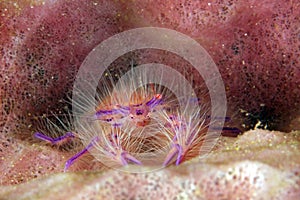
<point>114,149</point>
<point>54,140</point>
<point>125,156</point>
<point>68,135</point>
<point>178,150</point>
<point>79,154</point>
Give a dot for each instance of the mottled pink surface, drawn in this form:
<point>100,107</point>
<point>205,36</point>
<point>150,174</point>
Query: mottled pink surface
<point>255,45</point>
<point>257,165</point>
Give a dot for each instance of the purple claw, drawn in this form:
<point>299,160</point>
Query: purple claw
<point>43,137</point>
<point>122,110</point>
<point>76,156</point>
<point>123,160</point>
<point>100,113</point>
<point>171,155</point>
<point>132,159</point>
<point>67,135</point>
<point>53,140</point>
<point>124,155</point>
<point>179,156</point>
<point>113,116</point>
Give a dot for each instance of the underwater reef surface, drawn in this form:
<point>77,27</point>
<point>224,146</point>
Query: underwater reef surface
<point>256,165</point>
<point>255,44</point>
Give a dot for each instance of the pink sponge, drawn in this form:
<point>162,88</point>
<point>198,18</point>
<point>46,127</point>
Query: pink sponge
<point>42,48</point>
<point>255,44</point>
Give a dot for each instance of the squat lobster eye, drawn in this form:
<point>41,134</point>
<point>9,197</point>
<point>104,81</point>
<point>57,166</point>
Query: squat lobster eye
<point>139,112</point>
